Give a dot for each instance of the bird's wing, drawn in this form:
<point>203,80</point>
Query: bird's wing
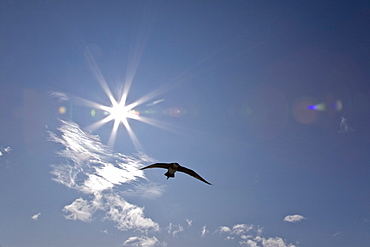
<point>156,165</point>
<point>192,173</point>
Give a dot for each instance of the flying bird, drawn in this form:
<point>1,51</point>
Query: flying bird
<point>173,167</point>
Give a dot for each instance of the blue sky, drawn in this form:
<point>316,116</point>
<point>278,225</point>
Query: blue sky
<point>267,100</point>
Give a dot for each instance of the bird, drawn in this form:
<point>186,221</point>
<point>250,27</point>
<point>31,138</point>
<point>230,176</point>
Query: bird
<point>173,167</point>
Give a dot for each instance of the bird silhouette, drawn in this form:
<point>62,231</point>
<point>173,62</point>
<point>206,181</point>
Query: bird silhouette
<point>173,167</point>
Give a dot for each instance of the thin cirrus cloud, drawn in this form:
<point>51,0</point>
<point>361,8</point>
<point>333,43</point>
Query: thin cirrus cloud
<point>91,168</point>
<point>61,97</point>
<point>174,229</point>
<point>143,241</point>
<point>294,218</point>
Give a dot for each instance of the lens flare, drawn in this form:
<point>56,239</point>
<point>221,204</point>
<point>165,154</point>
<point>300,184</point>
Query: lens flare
<point>318,107</point>
<point>302,111</point>
<point>62,110</point>
<point>336,106</point>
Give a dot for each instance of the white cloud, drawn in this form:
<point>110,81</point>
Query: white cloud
<point>237,229</point>
<point>128,216</point>
<point>241,229</point>
<point>92,168</point>
<point>142,241</point>
<point>343,126</point>
<point>105,178</point>
<point>250,236</point>
<point>294,218</point>
<point>5,150</point>
<point>59,96</point>
<point>204,231</point>
<point>174,229</point>
<point>264,242</point>
<point>190,222</point>
<point>36,216</point>
<point>224,229</point>
<point>275,242</point>
<point>80,209</point>
<point>251,243</point>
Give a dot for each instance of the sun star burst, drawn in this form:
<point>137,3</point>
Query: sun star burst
<point>119,111</point>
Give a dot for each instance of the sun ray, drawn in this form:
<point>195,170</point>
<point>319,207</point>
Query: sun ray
<point>88,102</point>
<point>155,123</point>
<point>99,76</point>
<point>132,135</point>
<point>113,134</point>
<point>100,123</point>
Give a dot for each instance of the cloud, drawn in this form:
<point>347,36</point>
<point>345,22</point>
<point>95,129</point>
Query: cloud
<point>265,242</point>
<point>5,150</point>
<point>224,229</point>
<point>344,127</point>
<point>127,216</point>
<point>174,229</point>
<point>275,242</point>
<point>142,241</point>
<point>61,97</point>
<point>237,229</point>
<point>250,236</point>
<point>105,178</point>
<point>204,231</point>
<point>294,218</point>
<point>93,169</point>
<point>80,209</point>
<point>36,216</point>
<point>4,156</point>
<point>190,222</point>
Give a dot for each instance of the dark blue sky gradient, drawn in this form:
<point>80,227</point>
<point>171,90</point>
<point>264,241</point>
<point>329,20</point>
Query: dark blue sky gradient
<point>235,82</point>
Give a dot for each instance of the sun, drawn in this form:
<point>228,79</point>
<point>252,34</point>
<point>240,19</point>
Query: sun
<point>118,110</point>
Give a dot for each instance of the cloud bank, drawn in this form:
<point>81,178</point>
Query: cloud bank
<point>251,236</point>
<point>103,176</point>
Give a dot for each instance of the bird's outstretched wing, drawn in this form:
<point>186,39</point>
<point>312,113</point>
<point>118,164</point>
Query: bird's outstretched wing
<point>156,165</point>
<point>192,173</point>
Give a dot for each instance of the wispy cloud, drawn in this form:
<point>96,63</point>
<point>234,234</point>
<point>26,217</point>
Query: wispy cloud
<point>190,222</point>
<point>4,156</point>
<point>93,169</point>
<point>174,229</point>
<point>36,216</point>
<point>204,231</point>
<point>250,236</point>
<point>344,127</point>
<point>59,96</point>
<point>294,218</point>
<point>80,209</point>
<point>142,241</point>
<point>104,178</point>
